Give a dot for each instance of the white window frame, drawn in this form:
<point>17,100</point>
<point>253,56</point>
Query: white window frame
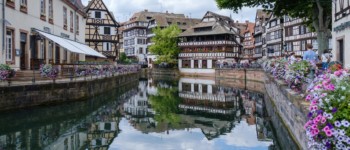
<point>9,45</point>
<point>42,49</point>
<point>50,50</point>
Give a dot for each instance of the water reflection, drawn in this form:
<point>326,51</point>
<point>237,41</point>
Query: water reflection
<point>194,113</point>
<point>152,114</point>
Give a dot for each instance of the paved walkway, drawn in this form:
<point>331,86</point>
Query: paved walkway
<point>64,80</point>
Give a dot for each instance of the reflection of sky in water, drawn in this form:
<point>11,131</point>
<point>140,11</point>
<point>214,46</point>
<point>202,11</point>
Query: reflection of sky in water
<point>242,137</point>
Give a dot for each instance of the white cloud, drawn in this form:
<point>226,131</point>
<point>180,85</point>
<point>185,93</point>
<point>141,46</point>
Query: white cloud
<point>124,9</point>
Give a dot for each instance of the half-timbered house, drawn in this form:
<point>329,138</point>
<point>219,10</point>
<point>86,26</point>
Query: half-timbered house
<point>215,39</point>
<point>259,30</point>
<point>248,41</point>
<point>274,36</point>
<point>341,31</point>
<point>101,31</point>
<point>297,35</point>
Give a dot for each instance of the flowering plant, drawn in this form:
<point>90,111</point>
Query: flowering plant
<point>329,116</point>
<point>6,72</point>
<point>48,71</point>
<point>83,70</point>
<point>335,67</point>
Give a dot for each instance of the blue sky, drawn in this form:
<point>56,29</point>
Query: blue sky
<point>123,9</point>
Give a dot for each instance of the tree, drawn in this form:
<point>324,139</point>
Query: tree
<point>317,14</point>
<point>165,44</point>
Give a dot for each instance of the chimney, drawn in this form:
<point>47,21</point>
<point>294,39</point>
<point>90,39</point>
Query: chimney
<point>237,21</point>
<point>146,10</point>
<point>166,12</point>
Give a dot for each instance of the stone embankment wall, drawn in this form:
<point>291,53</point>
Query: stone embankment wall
<point>241,74</point>
<point>16,97</point>
<point>283,104</point>
<point>146,72</point>
<point>291,108</point>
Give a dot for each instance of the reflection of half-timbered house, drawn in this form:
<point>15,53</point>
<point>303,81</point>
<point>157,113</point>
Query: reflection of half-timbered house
<point>101,29</point>
<point>341,31</point>
<point>216,38</point>
<point>204,97</point>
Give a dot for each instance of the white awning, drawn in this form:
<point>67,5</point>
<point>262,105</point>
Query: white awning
<point>72,46</point>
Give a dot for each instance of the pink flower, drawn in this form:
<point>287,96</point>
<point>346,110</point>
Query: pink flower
<point>308,98</point>
<point>330,87</point>
<point>323,120</point>
<point>338,73</point>
<point>314,102</point>
<point>329,133</point>
<point>325,129</point>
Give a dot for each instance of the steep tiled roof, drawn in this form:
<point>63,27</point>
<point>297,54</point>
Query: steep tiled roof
<point>217,28</point>
<point>146,15</point>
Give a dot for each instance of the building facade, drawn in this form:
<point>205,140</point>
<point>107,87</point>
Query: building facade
<point>297,35</point>
<point>135,34</point>
<point>101,29</point>
<point>274,36</point>
<point>248,42</point>
<point>42,32</point>
<point>202,46</point>
<point>259,33</point>
<point>163,20</point>
<point>341,31</point>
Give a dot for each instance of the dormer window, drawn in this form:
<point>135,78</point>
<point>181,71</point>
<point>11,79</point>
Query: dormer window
<point>97,14</point>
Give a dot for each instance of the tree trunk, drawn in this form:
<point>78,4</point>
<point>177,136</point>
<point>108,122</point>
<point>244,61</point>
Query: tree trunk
<point>323,41</point>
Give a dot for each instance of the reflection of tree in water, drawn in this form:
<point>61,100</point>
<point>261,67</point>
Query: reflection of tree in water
<point>165,103</point>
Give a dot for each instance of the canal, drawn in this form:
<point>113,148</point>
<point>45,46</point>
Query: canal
<point>153,113</point>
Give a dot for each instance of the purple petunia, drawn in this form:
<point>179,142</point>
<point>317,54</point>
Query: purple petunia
<point>334,110</point>
<point>345,123</point>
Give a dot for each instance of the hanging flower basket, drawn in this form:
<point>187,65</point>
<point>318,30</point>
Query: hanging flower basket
<point>6,72</point>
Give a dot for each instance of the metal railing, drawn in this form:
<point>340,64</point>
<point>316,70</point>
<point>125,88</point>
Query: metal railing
<point>70,73</point>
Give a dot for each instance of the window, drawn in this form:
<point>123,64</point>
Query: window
<point>10,3</point>
<point>107,46</point>
<point>65,18</point>
<point>42,49</point>
<point>107,30</point>
<point>77,25</point>
<point>204,64</point>
<point>195,63</point>
<point>50,50</point>
<point>273,23</point>
<point>71,21</point>
<point>302,30</point>
<point>24,3</point>
<point>204,88</point>
<point>42,8</point>
<point>140,50</point>
<point>186,63</point>
<point>303,45</point>
<point>296,30</point>
<point>195,88</point>
<point>296,46</point>
<point>186,87</point>
<point>50,9</point>
<point>9,45</point>
<point>97,14</point>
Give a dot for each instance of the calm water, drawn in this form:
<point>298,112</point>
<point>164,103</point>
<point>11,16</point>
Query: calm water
<point>161,114</point>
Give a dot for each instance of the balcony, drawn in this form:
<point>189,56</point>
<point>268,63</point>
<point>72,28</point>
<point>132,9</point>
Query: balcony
<point>206,43</point>
<point>293,22</point>
<point>209,55</point>
<point>303,36</point>
<point>277,27</point>
<point>151,35</point>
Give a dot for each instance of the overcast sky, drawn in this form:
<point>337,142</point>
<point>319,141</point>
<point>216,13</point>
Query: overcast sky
<point>124,9</point>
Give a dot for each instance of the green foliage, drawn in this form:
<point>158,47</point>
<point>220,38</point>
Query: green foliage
<point>165,44</point>
<point>124,59</point>
<point>302,67</point>
<point>4,67</point>
<point>165,104</point>
<point>317,14</point>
